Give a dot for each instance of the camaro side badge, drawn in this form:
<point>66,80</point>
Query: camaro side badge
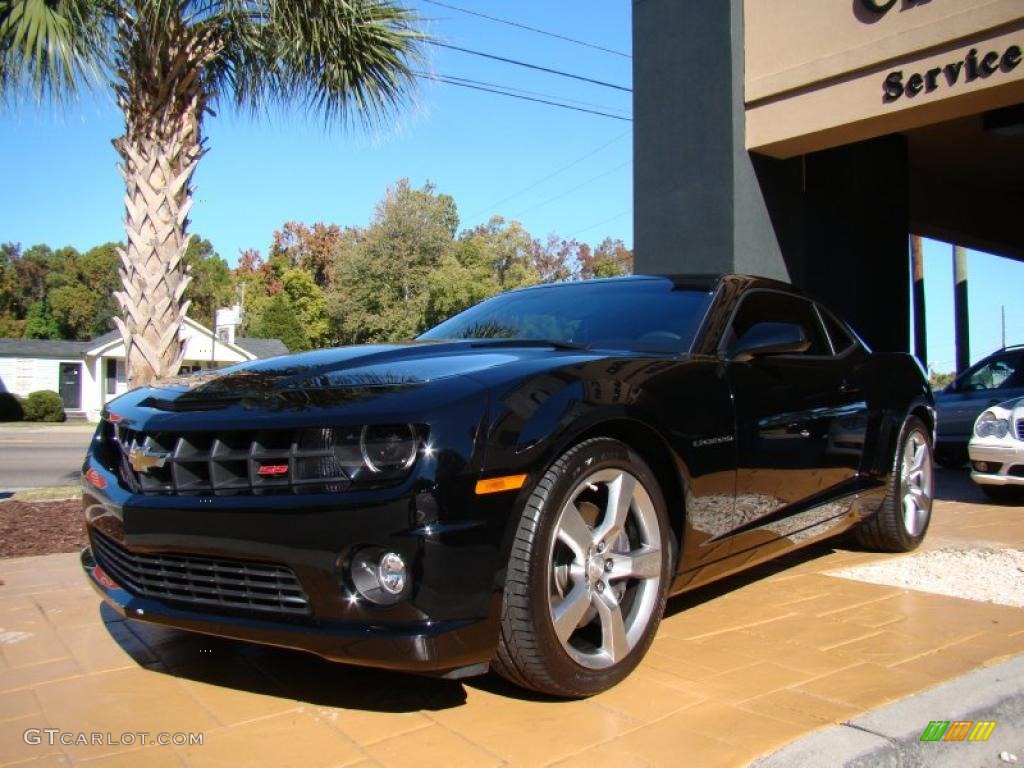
<point>143,459</point>
<point>712,441</point>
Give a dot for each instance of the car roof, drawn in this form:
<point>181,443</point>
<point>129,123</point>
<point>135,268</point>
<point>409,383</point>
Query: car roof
<point>696,281</point>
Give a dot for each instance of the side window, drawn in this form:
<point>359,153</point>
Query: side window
<point>841,339</point>
<point>1002,372</point>
<point>772,307</point>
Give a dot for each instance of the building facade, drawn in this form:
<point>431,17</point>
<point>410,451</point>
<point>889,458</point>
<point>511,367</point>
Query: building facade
<point>806,139</point>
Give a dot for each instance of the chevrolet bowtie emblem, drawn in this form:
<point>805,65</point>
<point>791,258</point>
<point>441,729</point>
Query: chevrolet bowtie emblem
<point>143,459</point>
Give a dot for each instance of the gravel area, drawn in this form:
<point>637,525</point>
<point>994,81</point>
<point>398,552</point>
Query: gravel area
<point>984,574</point>
<point>41,527</point>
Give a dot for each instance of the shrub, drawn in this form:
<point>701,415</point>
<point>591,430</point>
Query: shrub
<point>11,407</point>
<point>44,405</point>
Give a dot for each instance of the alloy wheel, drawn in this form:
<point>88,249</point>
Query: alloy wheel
<point>916,483</point>
<point>605,568</point>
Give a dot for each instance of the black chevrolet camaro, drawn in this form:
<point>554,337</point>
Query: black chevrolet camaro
<point>519,488</point>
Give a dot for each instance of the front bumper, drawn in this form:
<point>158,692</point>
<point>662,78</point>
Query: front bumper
<point>446,623</point>
<point>452,649</point>
<point>1009,458</point>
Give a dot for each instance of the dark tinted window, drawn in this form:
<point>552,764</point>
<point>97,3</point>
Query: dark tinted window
<point>772,307</point>
<point>641,315</point>
<point>1003,371</point>
<point>841,338</point>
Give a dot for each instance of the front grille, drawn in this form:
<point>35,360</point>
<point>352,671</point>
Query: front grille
<point>203,583</point>
<point>1020,429</point>
<point>1016,471</point>
<point>229,463</point>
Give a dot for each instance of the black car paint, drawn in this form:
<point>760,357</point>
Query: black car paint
<point>741,449</point>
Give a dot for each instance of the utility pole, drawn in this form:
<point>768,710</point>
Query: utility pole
<point>961,323</point>
<point>1002,312</point>
<point>920,327</point>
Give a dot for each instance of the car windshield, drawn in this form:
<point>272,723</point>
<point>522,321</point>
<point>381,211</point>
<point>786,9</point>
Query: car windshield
<point>640,315</point>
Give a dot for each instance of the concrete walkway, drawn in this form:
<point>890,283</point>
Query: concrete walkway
<point>738,671</point>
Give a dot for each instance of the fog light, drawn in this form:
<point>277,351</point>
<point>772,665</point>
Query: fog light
<point>981,466</point>
<point>378,576</point>
<point>391,573</point>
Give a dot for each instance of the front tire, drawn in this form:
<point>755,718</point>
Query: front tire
<point>588,573</point>
<point>902,521</point>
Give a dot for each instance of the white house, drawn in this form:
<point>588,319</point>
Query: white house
<point>89,374</point>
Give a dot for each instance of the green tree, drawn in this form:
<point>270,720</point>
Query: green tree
<point>307,304</point>
<point>169,63</point>
<point>313,249</point>
<point>40,323</point>
<point>382,287</point>
<point>277,320</point>
<point>486,260</point>
<point>98,267</point>
<point>210,287</point>
<point>611,258</point>
<point>74,307</point>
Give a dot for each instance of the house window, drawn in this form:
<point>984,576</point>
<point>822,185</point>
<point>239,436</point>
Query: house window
<point>114,375</point>
<point>111,377</point>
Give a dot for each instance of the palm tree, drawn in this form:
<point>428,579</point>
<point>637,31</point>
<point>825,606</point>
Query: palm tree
<point>169,63</point>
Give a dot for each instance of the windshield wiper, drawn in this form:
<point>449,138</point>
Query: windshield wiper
<point>527,343</point>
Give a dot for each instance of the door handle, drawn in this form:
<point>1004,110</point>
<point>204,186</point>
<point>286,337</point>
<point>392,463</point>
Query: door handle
<point>846,388</point>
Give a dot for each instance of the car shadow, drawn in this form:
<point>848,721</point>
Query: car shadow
<point>955,484</point>
<point>716,589</point>
<point>279,672</point>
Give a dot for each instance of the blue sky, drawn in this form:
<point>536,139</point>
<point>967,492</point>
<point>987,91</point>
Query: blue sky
<point>554,170</point>
<point>480,148</point>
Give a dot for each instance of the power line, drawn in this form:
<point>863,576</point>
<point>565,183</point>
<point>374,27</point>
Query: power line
<point>574,189</point>
<point>611,218</point>
<point>552,175</point>
<point>460,84</point>
<point>530,29</point>
<point>513,89</point>
<point>518,63</point>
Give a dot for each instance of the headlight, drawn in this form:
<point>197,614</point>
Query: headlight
<point>388,448</point>
<point>367,455</point>
<point>989,425</point>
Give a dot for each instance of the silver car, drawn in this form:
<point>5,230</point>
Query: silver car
<point>997,450</point>
<point>988,382</point>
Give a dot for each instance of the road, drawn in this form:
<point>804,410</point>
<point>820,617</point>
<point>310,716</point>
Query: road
<point>39,457</point>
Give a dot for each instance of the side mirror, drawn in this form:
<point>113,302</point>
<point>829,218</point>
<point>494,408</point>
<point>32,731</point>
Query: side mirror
<point>769,339</point>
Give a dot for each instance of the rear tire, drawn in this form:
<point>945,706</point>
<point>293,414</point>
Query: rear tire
<point>588,573</point>
<point>902,520</point>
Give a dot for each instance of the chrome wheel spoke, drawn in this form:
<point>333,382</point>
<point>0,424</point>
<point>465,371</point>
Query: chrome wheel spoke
<point>620,497</point>
<point>568,613</point>
<point>614,644</point>
<point>916,481</point>
<point>574,532</point>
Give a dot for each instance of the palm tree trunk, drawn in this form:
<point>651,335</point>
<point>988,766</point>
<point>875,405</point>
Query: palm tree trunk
<point>159,151</point>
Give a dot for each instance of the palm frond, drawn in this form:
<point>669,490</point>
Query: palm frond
<point>51,48</point>
<point>348,60</point>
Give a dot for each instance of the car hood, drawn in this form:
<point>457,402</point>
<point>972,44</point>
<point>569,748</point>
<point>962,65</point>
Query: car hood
<point>390,366</point>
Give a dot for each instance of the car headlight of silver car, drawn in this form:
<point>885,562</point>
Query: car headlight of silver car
<point>990,425</point>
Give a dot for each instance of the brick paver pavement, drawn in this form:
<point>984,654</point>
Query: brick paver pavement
<point>737,670</point>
